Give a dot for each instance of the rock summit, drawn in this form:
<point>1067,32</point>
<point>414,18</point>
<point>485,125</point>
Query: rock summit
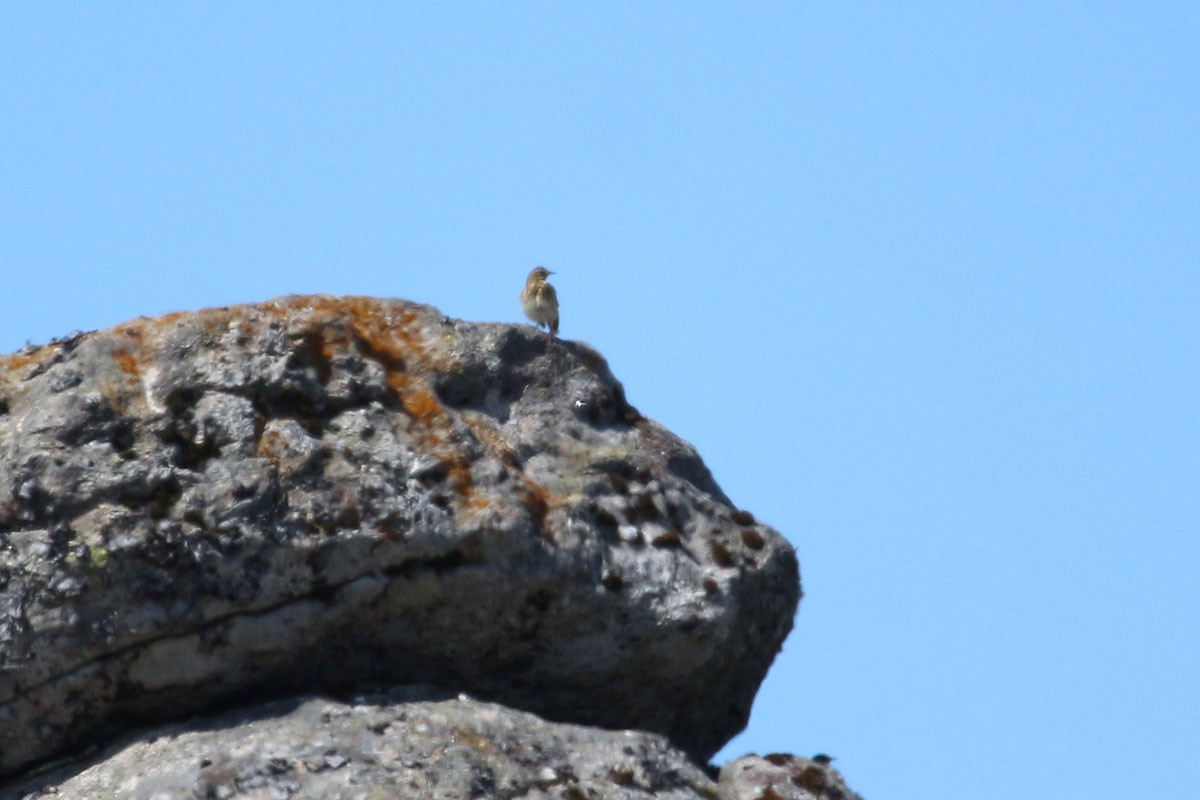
<point>329,495</point>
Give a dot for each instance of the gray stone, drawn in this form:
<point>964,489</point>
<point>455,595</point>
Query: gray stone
<point>781,776</point>
<point>326,494</point>
<point>378,748</point>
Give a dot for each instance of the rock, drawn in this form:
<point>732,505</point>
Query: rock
<point>404,744</point>
<point>325,494</point>
<point>782,777</point>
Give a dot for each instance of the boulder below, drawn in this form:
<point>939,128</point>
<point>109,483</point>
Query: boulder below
<point>410,742</point>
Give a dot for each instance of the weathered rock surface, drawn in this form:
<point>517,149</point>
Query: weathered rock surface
<point>378,749</point>
<point>782,777</point>
<point>322,494</point>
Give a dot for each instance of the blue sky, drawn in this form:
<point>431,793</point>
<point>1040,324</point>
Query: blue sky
<point>920,281</point>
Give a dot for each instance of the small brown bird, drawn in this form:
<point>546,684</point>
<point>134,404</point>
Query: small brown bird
<point>539,300</point>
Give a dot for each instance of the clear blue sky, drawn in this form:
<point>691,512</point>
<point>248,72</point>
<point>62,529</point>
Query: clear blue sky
<point>921,282</point>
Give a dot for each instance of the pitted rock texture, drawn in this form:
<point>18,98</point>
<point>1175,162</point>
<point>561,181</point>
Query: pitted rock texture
<point>321,494</point>
<point>378,749</point>
<point>782,777</point>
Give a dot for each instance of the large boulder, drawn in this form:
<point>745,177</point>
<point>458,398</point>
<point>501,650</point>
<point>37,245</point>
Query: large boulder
<point>325,494</point>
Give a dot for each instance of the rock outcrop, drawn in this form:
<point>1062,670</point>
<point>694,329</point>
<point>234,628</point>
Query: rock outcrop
<point>323,494</point>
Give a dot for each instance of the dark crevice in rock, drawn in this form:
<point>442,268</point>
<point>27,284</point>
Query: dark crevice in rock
<point>191,452</point>
<point>157,501</point>
<point>518,347</point>
<point>32,506</point>
<point>323,593</point>
<point>122,436</point>
<point>68,343</point>
<point>304,404</point>
<point>183,398</point>
<point>392,362</point>
<point>466,387</point>
<point>437,565</point>
<point>310,352</point>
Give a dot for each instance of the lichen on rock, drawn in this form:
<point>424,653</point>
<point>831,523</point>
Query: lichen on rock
<point>320,494</point>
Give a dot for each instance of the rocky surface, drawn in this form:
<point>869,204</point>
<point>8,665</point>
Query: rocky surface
<point>404,744</point>
<point>323,494</point>
<point>412,741</point>
<point>783,777</point>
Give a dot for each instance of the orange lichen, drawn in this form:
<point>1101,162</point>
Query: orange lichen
<point>460,476</point>
<point>322,330</point>
<point>391,341</point>
<point>271,446</point>
<point>37,356</point>
<point>537,499</point>
<point>423,406</point>
<point>126,361</point>
<point>171,318</point>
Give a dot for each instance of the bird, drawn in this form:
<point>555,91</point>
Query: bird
<point>539,300</point>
